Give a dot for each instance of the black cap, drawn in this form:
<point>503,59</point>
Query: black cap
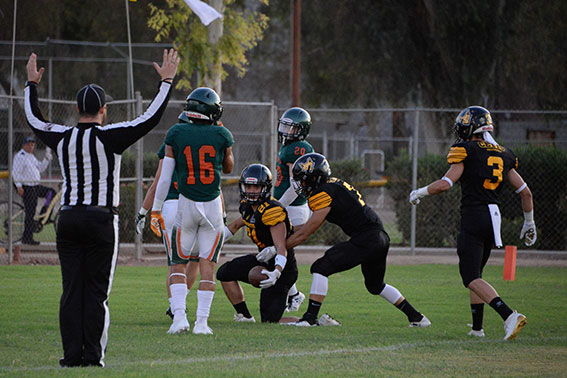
<point>91,98</point>
<point>28,140</point>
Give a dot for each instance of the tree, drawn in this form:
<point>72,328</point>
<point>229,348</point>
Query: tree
<point>203,59</point>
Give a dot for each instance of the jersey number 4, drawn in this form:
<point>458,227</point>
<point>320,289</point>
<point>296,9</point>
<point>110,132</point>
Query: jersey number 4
<point>206,169</point>
<point>498,164</point>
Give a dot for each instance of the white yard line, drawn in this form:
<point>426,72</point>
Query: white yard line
<point>307,353</point>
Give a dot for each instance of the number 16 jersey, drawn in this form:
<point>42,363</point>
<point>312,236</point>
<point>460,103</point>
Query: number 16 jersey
<point>199,152</point>
<point>486,166</point>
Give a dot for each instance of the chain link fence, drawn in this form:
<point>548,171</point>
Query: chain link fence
<point>374,149</point>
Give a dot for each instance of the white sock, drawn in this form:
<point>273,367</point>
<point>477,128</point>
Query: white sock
<point>204,301</point>
<point>319,285</point>
<point>292,291</point>
<point>177,300</point>
<point>391,294</point>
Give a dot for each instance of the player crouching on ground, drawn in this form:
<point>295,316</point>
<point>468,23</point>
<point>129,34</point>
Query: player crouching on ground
<point>338,202</point>
<point>481,164</point>
<point>267,224</point>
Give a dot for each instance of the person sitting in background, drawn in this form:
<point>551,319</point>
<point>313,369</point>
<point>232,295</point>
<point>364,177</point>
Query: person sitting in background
<point>27,173</point>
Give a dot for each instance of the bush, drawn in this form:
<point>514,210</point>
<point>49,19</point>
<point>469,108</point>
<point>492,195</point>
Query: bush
<point>437,222</point>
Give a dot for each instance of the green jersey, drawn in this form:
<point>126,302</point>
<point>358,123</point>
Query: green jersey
<point>289,154</point>
<point>172,193</point>
<point>199,152</point>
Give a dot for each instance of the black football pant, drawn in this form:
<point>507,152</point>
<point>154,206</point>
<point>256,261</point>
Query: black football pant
<point>369,249</point>
<point>31,194</point>
<point>273,300</point>
<point>87,244</point>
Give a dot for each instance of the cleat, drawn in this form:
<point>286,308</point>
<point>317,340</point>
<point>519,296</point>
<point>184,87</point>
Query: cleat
<point>423,323</point>
<point>306,322</point>
<point>169,313</point>
<point>243,319</point>
<point>179,326</point>
<point>295,301</point>
<point>326,320</point>
<point>475,333</point>
<point>202,329</point>
<point>513,325</point>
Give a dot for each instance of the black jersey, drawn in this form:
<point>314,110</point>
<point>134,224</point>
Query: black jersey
<point>486,166</point>
<point>348,209</point>
<point>258,223</point>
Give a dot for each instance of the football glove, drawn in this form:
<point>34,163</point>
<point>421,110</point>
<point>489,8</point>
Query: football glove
<point>272,278</point>
<point>529,232</point>
<point>156,223</point>
<point>266,254</point>
<point>415,195</point>
<point>140,223</point>
<point>48,154</point>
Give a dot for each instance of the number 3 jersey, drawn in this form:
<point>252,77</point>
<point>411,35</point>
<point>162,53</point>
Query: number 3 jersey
<point>348,209</point>
<point>486,165</point>
<point>258,222</point>
<point>199,152</point>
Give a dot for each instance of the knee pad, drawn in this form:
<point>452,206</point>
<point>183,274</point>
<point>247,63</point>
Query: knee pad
<point>374,288</point>
<point>323,267</point>
<point>221,273</point>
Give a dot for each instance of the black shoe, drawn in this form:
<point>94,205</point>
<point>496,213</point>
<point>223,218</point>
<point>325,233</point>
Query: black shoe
<point>169,313</point>
<point>64,364</point>
<point>30,242</point>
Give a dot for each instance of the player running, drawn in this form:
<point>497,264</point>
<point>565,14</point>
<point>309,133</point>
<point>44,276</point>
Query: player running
<point>197,148</point>
<point>268,224</point>
<point>293,129</point>
<point>338,202</point>
<point>481,164</point>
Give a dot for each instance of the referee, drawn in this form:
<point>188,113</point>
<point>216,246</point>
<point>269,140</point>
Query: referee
<point>87,232</point>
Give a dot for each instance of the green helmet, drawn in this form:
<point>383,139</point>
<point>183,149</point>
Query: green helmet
<point>202,104</point>
<point>294,125</point>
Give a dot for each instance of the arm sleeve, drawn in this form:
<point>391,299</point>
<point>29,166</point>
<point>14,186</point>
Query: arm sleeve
<point>288,197</point>
<point>42,165</point>
<point>48,132</point>
<point>167,168</point>
<point>119,136</point>
<point>457,154</point>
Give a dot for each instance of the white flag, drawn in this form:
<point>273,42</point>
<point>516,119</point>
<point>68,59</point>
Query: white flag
<point>206,13</point>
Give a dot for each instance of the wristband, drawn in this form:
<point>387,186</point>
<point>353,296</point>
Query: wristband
<point>227,233</point>
<point>281,260</point>
<point>445,178</point>
<point>521,188</point>
<point>142,211</point>
<point>529,216</point>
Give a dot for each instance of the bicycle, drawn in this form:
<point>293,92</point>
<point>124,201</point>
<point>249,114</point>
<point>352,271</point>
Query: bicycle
<point>51,215</point>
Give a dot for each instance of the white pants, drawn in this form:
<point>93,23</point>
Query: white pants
<point>200,223</point>
<point>298,215</point>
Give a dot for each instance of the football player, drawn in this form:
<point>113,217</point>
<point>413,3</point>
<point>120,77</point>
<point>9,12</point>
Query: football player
<point>338,202</point>
<point>293,129</point>
<point>267,224</point>
<point>197,148</point>
<point>481,164</point>
<point>168,212</point>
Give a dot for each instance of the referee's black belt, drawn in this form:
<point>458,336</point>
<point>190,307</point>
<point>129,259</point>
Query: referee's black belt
<point>98,209</point>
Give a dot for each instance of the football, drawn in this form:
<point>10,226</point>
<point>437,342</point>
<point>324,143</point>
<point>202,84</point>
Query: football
<point>255,275</point>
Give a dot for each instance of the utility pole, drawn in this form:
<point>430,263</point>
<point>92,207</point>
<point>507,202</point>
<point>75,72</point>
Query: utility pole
<point>296,55</point>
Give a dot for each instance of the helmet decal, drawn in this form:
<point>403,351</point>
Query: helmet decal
<point>307,167</point>
<point>466,118</point>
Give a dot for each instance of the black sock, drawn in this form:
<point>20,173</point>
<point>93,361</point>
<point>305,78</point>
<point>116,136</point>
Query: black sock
<point>241,308</point>
<point>412,314</point>
<point>312,310</point>
<point>477,310</point>
<point>501,308</point>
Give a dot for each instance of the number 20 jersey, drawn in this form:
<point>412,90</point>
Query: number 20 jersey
<point>486,165</point>
<point>199,152</point>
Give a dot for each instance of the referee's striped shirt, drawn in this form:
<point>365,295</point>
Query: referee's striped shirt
<point>90,154</point>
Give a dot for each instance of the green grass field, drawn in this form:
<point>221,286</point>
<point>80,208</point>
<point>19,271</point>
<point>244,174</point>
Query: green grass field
<point>374,340</point>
